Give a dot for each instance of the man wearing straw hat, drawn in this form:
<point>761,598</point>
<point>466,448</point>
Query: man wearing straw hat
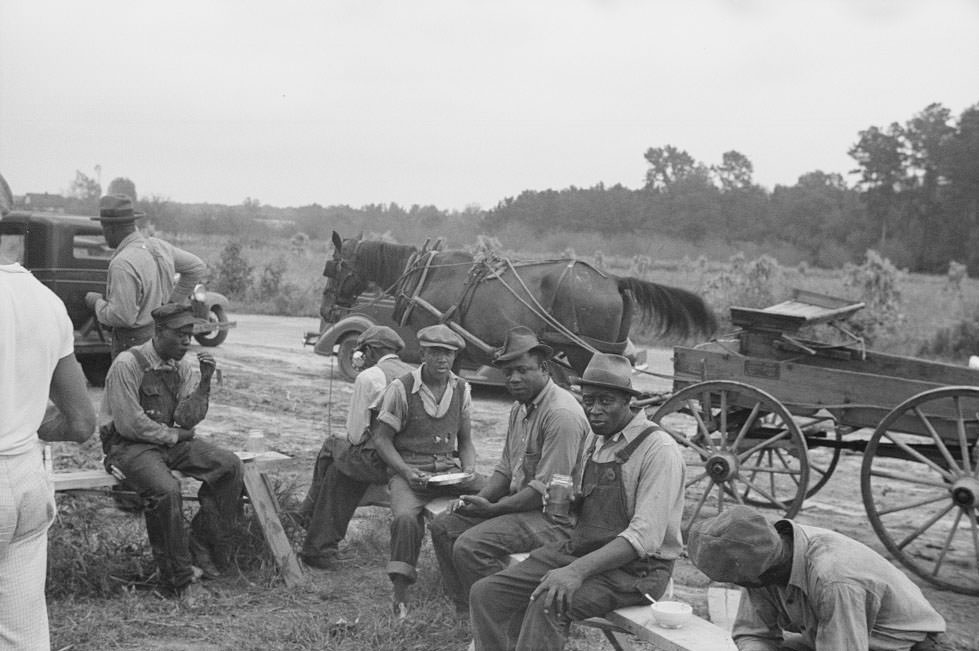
<point>141,275</point>
<point>624,542</point>
<point>546,429</point>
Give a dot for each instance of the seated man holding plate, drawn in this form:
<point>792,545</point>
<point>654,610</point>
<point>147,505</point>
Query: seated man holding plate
<point>422,424</point>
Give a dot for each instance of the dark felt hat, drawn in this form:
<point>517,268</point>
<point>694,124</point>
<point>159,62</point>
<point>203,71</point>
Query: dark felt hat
<point>736,546</point>
<point>117,209</point>
<point>440,336</point>
<point>609,371</point>
<point>520,340</point>
<point>175,316</point>
<point>379,335</point>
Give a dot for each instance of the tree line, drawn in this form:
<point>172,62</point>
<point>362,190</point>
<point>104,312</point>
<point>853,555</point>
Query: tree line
<point>915,200</point>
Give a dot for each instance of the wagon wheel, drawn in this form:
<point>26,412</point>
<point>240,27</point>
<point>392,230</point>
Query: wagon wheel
<point>920,484</point>
<point>741,446</point>
<point>822,459</point>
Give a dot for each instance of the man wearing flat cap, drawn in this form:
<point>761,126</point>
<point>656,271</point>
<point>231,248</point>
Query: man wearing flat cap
<point>624,542</point>
<point>808,588</point>
<point>422,424</point>
<point>151,406</point>
<point>348,464</point>
<point>545,432</point>
<point>141,275</point>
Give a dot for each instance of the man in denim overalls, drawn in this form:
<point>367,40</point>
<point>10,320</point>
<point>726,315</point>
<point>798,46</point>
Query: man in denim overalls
<point>625,540</point>
<point>154,406</point>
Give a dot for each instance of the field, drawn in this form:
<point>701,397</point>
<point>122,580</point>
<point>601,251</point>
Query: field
<point>101,583</point>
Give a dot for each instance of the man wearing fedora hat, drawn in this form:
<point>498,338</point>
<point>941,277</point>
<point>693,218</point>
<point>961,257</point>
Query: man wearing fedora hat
<point>422,423</point>
<point>544,435</point>
<point>141,275</point>
<point>810,588</point>
<point>150,410</point>
<point>624,542</point>
<point>347,465</point>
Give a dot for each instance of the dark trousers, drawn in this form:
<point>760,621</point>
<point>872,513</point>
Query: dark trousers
<point>125,338</point>
<point>147,468</point>
<point>469,548</point>
<point>504,618</point>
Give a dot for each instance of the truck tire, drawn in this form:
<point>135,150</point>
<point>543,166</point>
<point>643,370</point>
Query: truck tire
<point>215,337</point>
<point>95,368</point>
<point>345,355</point>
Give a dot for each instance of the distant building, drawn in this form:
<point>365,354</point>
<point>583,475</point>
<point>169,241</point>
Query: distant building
<point>42,202</point>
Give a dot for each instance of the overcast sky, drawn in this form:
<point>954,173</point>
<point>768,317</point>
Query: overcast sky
<point>456,102</point>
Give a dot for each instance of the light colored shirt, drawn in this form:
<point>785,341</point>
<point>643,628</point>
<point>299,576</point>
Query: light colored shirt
<point>368,387</point>
<point>121,401</point>
<point>841,595</point>
<point>544,438</point>
<point>653,478</point>
<point>141,278</point>
<point>394,401</point>
<point>35,334</point>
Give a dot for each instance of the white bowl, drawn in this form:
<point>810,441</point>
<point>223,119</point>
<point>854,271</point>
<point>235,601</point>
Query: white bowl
<point>671,614</point>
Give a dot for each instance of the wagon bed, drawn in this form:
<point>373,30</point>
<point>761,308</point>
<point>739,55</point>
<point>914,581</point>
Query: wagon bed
<point>765,413</point>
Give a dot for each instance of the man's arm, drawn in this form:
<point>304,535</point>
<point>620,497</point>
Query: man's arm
<point>845,613</point>
<point>191,270</point>
<point>467,451</point>
<point>122,306</point>
<point>74,416</point>
<point>192,408</point>
<point>383,437</point>
<point>756,624</point>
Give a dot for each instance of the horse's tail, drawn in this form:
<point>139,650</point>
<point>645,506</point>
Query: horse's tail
<point>670,310</point>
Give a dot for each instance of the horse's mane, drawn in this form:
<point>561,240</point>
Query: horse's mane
<point>382,262</point>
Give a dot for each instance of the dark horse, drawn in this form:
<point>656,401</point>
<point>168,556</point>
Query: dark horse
<point>574,307</point>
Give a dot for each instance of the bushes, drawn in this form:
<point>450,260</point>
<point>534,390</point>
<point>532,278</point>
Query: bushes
<point>876,283</point>
<point>233,272</point>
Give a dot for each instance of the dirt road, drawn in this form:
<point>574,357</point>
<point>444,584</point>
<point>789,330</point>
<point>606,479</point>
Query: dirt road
<point>272,383</point>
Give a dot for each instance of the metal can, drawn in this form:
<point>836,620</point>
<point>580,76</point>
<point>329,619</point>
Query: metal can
<point>255,441</point>
<point>559,493</point>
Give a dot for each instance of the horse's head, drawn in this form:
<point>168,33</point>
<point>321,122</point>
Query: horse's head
<point>344,283</point>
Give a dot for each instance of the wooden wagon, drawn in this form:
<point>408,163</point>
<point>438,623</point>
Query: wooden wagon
<point>765,414</point>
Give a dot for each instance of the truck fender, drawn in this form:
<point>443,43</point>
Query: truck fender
<point>347,325</point>
<point>214,298</point>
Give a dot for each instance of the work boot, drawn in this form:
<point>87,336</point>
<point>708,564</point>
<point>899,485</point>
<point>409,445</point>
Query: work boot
<point>192,594</point>
<point>202,559</point>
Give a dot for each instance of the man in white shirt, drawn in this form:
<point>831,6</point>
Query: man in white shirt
<point>347,466</point>
<point>37,361</point>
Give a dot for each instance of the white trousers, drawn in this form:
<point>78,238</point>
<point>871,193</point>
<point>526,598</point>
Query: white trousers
<point>27,509</point>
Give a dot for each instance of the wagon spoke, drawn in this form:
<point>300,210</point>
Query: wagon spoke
<point>720,497</point>
<point>822,470</point>
<point>781,435</point>
<point>975,535</point>
<point>884,474</point>
<point>723,416</point>
<point>701,425</point>
<point>907,449</point>
<point>707,412</point>
<point>948,543</point>
<point>939,443</point>
<point>912,505</point>
<point>693,481</point>
<point>764,494</point>
<point>920,530</point>
<point>747,425</point>
<point>792,473</point>
<point>777,471</point>
<point>686,441</point>
<point>960,427</point>
<point>771,476</point>
<point>697,508</point>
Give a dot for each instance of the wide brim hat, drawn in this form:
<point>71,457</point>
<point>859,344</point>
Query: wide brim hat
<point>379,335</point>
<point>609,371</point>
<point>117,209</point>
<point>176,316</point>
<point>440,336</point>
<point>520,340</point>
<point>736,546</point>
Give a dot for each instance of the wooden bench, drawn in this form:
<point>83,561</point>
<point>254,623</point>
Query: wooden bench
<point>257,487</point>
<point>620,626</point>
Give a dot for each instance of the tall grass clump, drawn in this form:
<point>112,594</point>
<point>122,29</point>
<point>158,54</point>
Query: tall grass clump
<point>233,272</point>
<point>876,282</point>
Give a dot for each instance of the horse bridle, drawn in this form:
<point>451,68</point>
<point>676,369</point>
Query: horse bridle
<point>334,269</point>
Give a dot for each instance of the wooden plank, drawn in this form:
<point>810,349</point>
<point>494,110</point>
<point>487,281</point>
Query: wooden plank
<point>696,635</point>
<point>267,512</point>
<point>722,604</point>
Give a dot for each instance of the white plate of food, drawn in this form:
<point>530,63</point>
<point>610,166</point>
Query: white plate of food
<point>449,478</point>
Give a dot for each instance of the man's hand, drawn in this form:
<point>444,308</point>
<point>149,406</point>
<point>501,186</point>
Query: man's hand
<point>91,298</point>
<point>417,479</point>
<point>475,505</point>
<point>208,364</point>
<point>557,588</point>
<point>184,434</point>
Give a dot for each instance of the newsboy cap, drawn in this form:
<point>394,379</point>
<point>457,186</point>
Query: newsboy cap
<point>440,336</point>
<point>175,316</point>
<point>379,335</point>
<point>520,340</point>
<point>609,371</point>
<point>736,546</point>
<point>117,209</point>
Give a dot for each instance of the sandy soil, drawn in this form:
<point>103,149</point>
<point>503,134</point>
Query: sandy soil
<point>272,383</point>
